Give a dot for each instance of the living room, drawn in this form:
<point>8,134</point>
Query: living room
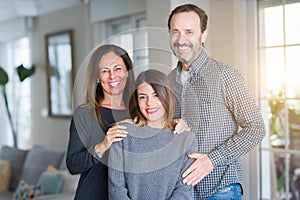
<point>233,38</point>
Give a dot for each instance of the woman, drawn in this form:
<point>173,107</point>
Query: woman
<point>108,81</point>
<point>149,162</point>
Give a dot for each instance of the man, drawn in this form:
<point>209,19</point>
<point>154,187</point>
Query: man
<point>213,99</point>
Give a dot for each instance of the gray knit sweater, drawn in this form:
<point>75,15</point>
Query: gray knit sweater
<point>148,164</point>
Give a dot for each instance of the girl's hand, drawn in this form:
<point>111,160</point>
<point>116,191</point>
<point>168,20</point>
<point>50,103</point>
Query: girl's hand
<point>180,126</point>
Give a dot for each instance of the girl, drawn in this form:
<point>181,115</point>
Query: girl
<point>148,163</point>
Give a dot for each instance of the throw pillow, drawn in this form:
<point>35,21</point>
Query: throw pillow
<point>70,181</point>
<point>26,191</point>
<point>16,157</point>
<point>51,183</point>
<point>5,173</point>
<point>37,160</point>
<point>52,169</point>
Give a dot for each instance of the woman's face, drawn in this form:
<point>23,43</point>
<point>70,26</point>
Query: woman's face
<point>151,106</point>
<point>112,74</point>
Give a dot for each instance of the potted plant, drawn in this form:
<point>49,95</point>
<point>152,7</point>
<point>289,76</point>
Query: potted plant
<point>23,73</point>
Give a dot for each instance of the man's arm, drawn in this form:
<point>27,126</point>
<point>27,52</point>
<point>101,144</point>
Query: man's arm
<point>247,115</point>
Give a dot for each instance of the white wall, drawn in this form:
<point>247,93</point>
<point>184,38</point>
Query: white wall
<point>12,29</point>
<point>104,10</point>
<point>49,131</point>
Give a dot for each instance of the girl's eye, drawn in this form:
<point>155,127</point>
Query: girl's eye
<point>142,97</point>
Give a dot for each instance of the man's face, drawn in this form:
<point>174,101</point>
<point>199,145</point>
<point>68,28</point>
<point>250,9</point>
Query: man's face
<point>185,36</point>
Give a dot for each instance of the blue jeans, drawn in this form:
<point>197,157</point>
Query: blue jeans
<point>232,191</point>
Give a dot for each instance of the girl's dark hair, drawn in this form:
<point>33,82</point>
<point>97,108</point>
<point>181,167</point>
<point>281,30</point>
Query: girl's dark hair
<point>161,85</point>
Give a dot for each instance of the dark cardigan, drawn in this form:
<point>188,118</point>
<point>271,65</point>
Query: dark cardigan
<point>85,133</point>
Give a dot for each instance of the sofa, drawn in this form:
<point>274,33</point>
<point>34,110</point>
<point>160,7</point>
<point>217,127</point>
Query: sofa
<point>38,173</point>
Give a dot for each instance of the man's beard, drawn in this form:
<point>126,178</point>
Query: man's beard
<point>191,56</point>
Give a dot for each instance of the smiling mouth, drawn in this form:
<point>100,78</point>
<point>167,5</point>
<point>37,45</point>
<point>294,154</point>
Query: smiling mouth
<point>114,84</point>
<point>182,48</point>
<point>151,110</point>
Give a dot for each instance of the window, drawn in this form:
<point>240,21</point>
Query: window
<point>279,40</point>
<point>130,33</point>
<point>13,54</point>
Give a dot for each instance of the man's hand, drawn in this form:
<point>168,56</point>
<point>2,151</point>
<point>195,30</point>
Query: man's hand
<point>200,168</point>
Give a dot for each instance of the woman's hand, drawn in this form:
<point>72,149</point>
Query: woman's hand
<point>114,134</point>
<point>180,126</point>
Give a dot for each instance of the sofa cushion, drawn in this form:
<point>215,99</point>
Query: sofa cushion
<point>5,173</point>
<point>36,162</point>
<point>51,183</point>
<point>27,191</point>
<point>6,196</point>
<point>62,196</point>
<point>16,157</point>
<point>63,165</point>
<point>70,181</point>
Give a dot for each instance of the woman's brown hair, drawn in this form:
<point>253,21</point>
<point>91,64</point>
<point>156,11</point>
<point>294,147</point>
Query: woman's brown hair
<point>93,93</point>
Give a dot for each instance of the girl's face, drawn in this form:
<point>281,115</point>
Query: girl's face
<point>151,106</point>
<point>113,74</point>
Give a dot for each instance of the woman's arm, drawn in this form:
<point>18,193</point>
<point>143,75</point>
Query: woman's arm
<point>83,152</point>
<point>114,134</point>
<point>79,159</point>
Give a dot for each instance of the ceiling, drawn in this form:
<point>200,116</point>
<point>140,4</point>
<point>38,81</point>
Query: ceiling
<point>11,9</point>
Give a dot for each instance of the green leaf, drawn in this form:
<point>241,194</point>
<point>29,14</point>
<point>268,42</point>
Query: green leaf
<point>3,76</point>
<point>24,73</point>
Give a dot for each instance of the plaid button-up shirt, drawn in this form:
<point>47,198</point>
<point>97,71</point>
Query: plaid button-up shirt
<point>220,110</point>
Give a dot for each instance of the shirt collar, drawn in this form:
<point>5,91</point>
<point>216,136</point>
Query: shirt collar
<point>195,67</point>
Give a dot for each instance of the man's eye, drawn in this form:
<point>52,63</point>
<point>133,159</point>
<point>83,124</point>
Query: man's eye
<point>174,32</point>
